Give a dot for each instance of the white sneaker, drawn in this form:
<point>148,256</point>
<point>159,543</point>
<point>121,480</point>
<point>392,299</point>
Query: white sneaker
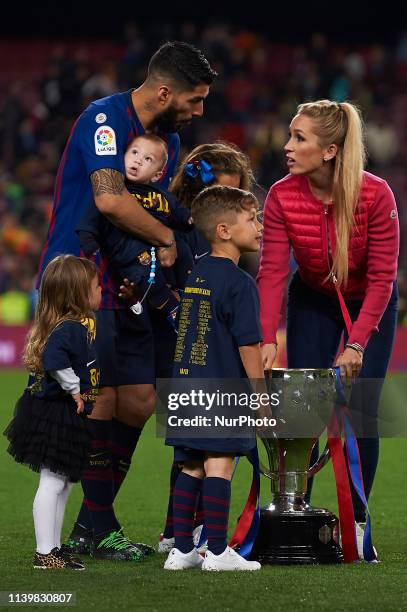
<point>166,544</point>
<point>360,532</point>
<point>228,561</point>
<point>178,560</point>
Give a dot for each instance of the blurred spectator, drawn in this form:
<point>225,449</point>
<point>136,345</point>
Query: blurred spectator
<point>381,139</point>
<point>260,84</point>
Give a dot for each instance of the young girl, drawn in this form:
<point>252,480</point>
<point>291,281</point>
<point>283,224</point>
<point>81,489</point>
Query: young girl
<point>49,429</point>
<point>217,163</point>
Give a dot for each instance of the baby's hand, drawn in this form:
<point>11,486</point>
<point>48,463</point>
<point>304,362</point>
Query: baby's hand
<point>127,290</point>
<point>79,402</point>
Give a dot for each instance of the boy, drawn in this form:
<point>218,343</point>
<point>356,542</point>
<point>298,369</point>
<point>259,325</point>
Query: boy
<point>219,337</point>
<point>145,160</point>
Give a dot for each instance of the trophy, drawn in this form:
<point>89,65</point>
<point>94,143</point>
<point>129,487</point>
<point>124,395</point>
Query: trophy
<point>291,531</point>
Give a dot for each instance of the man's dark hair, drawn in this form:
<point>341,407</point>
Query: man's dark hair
<point>183,63</point>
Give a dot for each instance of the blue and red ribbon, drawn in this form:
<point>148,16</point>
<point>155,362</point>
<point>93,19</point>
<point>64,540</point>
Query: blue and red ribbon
<point>355,471</point>
<point>247,527</point>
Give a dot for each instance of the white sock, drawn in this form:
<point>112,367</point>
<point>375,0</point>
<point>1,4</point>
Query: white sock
<point>45,509</point>
<point>59,517</point>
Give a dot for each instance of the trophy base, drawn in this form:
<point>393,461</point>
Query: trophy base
<point>290,537</point>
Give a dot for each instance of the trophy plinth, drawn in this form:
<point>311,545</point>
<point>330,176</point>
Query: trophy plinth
<point>291,531</point>
<point>298,534</point>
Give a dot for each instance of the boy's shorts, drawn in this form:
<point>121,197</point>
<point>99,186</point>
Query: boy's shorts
<point>188,454</point>
<point>125,348</point>
<point>182,453</point>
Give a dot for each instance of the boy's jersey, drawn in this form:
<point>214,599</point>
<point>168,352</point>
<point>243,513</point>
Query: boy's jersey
<point>197,243</point>
<point>98,139</point>
<point>219,313</point>
<point>70,345</point>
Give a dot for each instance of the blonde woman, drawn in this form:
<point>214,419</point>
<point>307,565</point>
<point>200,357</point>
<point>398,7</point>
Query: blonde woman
<point>341,224</point>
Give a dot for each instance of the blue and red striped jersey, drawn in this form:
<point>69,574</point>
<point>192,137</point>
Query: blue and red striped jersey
<point>98,139</point>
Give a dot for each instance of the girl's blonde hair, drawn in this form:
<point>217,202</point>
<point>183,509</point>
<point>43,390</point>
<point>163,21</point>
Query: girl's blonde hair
<point>223,157</point>
<point>341,124</point>
<point>64,294</point>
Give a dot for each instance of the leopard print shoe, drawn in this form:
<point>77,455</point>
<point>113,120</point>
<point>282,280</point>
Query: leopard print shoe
<point>54,560</point>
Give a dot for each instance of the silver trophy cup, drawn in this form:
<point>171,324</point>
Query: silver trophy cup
<point>291,531</point>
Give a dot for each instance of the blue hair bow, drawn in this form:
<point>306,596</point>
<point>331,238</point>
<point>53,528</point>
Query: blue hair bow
<point>201,168</point>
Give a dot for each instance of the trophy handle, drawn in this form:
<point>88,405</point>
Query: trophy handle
<point>265,471</point>
<point>318,465</point>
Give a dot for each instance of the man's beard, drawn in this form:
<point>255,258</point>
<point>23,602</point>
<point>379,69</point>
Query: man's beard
<point>166,121</point>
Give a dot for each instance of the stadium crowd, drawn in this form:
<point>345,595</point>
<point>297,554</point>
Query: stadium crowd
<point>47,84</point>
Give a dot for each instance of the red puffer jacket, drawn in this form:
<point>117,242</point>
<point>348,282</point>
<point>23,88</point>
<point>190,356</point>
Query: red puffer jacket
<point>294,217</point>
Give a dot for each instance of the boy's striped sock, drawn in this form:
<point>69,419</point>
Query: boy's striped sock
<point>199,514</point>
<point>185,495</point>
<point>216,502</point>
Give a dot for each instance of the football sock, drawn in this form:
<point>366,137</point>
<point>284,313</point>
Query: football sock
<point>97,511</point>
<point>199,514</point>
<point>124,442</point>
<point>45,509</point>
<point>216,503</point>
<point>169,524</point>
<point>185,495</point>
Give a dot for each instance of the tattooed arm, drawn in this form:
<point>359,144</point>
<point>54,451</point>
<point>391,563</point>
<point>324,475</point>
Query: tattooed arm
<point>114,201</point>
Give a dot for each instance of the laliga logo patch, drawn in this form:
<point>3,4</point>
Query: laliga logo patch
<point>105,141</point>
<point>393,214</point>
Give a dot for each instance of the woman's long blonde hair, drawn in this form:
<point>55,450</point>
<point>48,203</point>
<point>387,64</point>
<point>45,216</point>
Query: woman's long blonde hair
<point>64,294</point>
<point>341,124</point>
<point>223,157</point>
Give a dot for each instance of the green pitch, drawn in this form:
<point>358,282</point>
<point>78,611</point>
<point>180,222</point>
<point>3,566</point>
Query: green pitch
<point>146,586</point>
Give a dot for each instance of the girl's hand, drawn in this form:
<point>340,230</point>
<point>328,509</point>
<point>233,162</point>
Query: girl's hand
<point>79,402</point>
<point>268,353</point>
<point>350,362</point>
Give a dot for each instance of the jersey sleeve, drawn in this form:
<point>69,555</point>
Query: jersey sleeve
<point>242,311</point>
<point>383,250</point>
<point>102,145</point>
<point>65,346</point>
<point>67,379</point>
<point>274,267</point>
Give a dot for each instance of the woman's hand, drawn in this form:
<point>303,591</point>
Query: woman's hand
<point>79,402</point>
<point>268,353</point>
<point>350,362</point>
